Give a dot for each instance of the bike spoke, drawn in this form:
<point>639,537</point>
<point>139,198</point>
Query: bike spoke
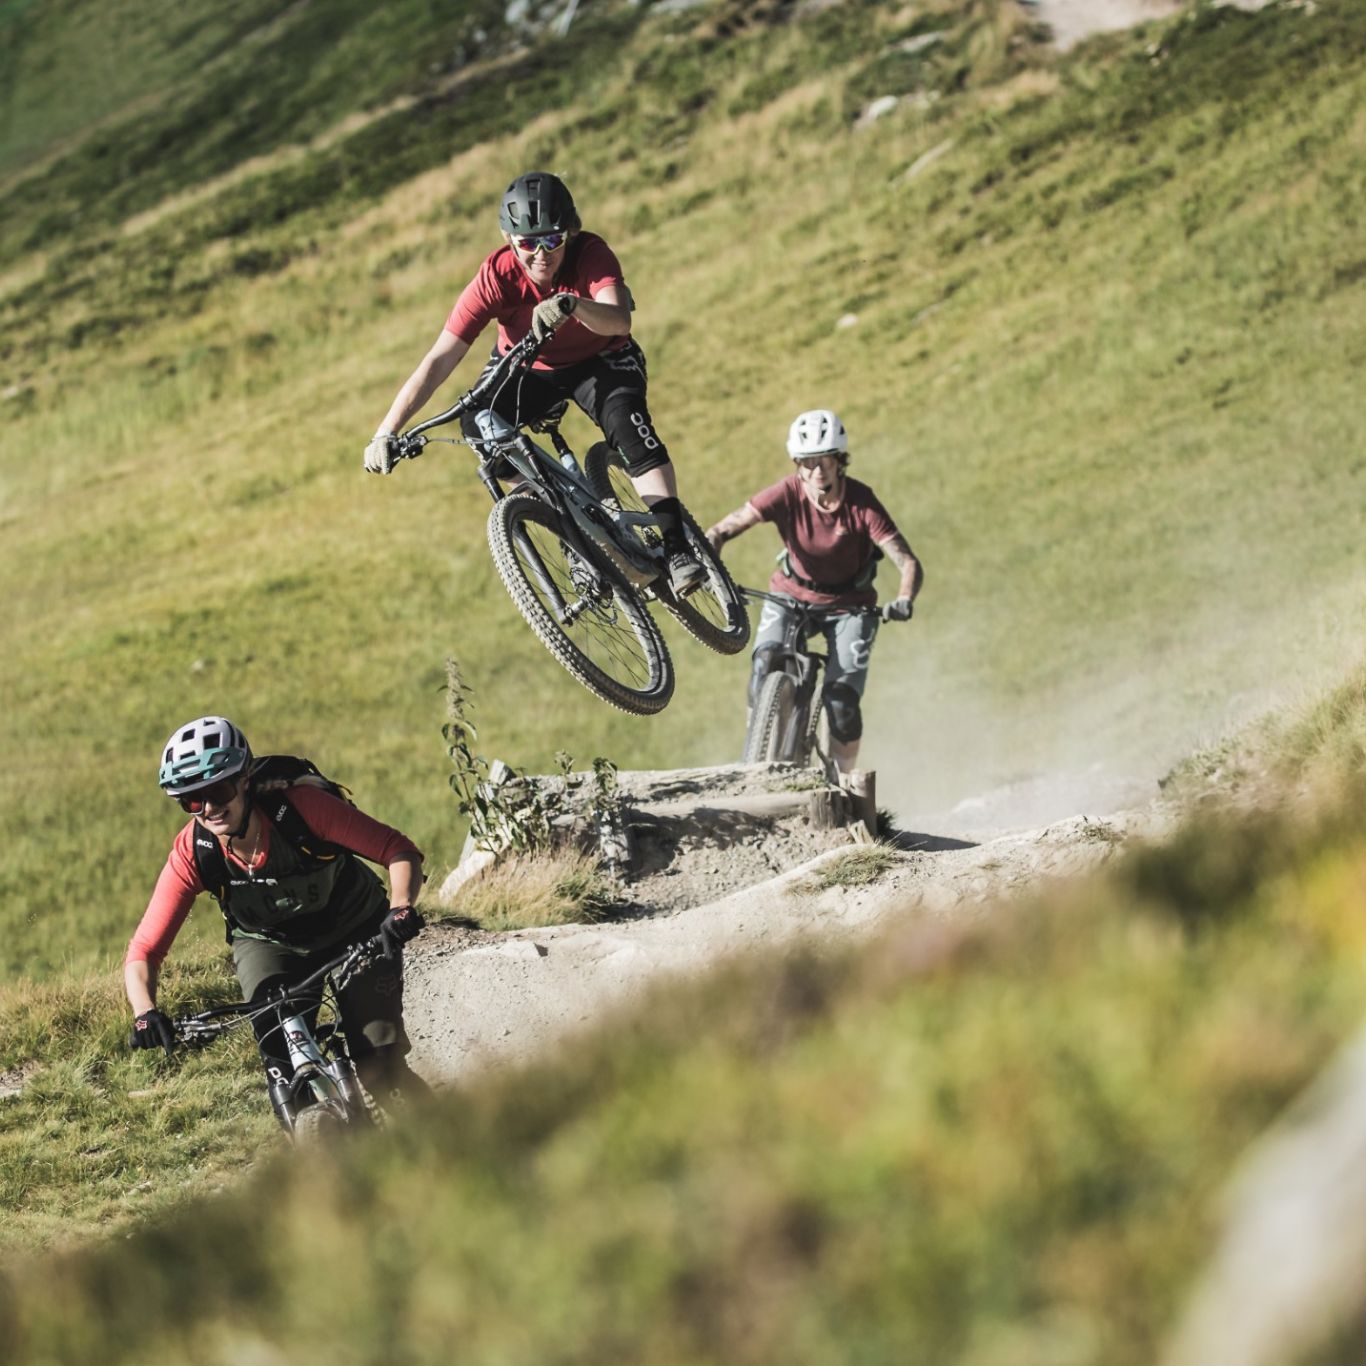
<point>589,617</point>
<point>596,623</point>
<point>713,612</point>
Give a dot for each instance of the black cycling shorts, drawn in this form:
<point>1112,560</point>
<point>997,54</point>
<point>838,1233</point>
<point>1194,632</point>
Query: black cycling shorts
<point>609,387</point>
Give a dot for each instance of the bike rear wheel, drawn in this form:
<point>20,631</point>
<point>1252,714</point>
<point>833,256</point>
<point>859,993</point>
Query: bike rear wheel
<point>778,726</point>
<point>584,612</point>
<point>714,613</point>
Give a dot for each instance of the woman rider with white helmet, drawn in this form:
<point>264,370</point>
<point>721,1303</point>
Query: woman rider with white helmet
<point>291,901</point>
<point>833,530</point>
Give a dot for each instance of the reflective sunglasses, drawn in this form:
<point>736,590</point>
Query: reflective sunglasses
<point>219,793</point>
<point>547,242</point>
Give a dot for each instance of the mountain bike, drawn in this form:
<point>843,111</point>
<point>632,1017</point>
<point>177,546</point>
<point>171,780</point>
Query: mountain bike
<point>787,722</point>
<point>324,1096</point>
<point>580,555</point>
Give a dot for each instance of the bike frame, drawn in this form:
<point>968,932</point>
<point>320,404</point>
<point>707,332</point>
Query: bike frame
<point>794,655</point>
<point>556,480</point>
<point>318,1054</point>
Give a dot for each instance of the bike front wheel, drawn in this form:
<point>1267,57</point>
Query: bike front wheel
<point>318,1125</point>
<point>713,613</point>
<point>778,726</point>
<point>582,610</point>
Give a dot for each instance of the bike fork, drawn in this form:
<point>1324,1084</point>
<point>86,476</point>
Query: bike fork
<point>281,1098</point>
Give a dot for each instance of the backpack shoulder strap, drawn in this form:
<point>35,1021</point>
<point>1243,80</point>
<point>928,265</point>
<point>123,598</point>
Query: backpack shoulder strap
<point>210,864</point>
<point>288,823</point>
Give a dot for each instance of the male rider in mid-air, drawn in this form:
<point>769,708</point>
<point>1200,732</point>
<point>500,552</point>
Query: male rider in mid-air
<point>834,530</point>
<point>552,277</point>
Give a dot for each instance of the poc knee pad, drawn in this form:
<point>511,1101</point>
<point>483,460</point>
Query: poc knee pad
<point>627,424</point>
<point>846,716</point>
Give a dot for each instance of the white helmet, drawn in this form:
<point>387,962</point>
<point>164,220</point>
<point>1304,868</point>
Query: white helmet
<point>200,753</point>
<point>818,432</point>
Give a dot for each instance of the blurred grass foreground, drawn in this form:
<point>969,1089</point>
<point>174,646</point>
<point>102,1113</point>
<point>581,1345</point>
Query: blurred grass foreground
<point>993,1141</point>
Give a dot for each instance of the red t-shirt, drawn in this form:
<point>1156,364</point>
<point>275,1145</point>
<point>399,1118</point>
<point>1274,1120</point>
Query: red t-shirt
<point>825,547</point>
<point>329,818</point>
<point>502,290</point>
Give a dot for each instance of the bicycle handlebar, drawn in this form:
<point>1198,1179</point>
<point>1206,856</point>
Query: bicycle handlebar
<point>202,1028</point>
<point>810,607</point>
<point>516,357</point>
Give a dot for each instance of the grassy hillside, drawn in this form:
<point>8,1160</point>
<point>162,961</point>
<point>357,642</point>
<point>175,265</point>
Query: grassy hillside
<point>1103,365</point>
<point>1104,370</point>
<point>994,1143</point>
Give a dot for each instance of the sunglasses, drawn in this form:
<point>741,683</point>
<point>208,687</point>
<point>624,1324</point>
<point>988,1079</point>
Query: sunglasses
<point>547,242</point>
<point>219,793</point>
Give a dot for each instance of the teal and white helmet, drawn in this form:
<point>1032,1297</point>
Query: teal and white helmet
<point>200,753</point>
<point>817,432</point>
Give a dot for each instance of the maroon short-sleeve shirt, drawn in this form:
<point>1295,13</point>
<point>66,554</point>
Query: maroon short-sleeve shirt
<point>829,548</point>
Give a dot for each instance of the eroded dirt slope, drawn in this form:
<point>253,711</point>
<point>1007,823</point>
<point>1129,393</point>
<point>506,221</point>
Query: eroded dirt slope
<point>719,872</point>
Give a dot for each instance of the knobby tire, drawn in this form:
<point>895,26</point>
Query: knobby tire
<point>778,726</point>
<point>613,648</point>
<point>317,1125</point>
<point>713,614</point>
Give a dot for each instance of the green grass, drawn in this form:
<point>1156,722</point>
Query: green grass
<point>97,1138</point>
<point>526,891</point>
<point>858,867</point>
<point>1083,406</point>
<point>1105,371</point>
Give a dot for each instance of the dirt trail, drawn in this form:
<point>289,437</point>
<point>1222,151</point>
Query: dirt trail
<point>478,1000</point>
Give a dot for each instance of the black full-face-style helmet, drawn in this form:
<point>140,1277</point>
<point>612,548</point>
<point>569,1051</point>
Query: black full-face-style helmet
<point>537,203</point>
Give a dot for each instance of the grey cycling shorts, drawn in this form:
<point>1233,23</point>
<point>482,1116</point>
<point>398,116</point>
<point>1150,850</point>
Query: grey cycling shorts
<point>848,642</point>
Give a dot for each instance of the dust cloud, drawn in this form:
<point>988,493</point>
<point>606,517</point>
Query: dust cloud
<point>959,760</point>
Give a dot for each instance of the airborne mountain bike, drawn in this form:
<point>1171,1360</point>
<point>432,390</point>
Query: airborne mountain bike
<point>787,722</point>
<point>579,553</point>
<point>323,1097</point>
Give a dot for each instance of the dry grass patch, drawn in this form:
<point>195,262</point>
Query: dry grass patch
<point>561,887</point>
<point>857,867</point>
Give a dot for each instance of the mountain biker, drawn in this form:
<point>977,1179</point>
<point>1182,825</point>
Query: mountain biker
<point>288,910</point>
<point>550,276</point>
<point>834,530</point>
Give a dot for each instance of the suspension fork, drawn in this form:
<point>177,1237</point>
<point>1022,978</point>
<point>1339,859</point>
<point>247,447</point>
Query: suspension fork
<point>530,554</point>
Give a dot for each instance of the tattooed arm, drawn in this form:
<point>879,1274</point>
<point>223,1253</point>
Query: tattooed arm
<point>728,528</point>
<point>912,572</point>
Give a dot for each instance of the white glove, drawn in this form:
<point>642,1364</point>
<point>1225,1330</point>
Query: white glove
<point>379,454</point>
<point>550,313</point>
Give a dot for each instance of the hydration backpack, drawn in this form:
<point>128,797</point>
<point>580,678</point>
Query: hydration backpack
<point>270,775</point>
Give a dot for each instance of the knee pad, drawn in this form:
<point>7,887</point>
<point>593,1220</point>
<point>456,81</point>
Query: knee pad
<point>846,716</point>
<point>763,666</point>
<point>627,424</point>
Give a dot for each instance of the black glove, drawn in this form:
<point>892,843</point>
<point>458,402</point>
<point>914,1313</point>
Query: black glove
<point>400,925</point>
<point>899,609</point>
<point>152,1029</point>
